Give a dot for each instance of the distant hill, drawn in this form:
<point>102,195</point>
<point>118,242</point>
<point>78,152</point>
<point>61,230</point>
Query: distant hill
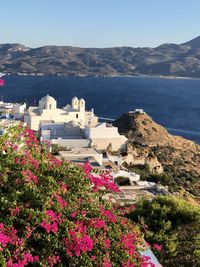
<point>165,60</point>
<point>194,43</point>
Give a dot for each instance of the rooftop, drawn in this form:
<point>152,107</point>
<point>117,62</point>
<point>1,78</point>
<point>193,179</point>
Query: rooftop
<point>79,152</point>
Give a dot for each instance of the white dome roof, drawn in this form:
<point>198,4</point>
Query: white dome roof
<point>48,98</point>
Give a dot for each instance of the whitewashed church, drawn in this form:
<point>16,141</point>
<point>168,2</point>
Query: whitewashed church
<point>48,111</point>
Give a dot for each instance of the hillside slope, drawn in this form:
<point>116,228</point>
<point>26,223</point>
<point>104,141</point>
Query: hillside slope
<point>165,60</point>
<point>151,145</point>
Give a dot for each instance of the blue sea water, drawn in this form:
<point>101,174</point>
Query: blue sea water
<point>174,103</point>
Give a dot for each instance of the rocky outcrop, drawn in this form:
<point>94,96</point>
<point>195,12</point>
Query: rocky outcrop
<point>150,144</point>
<point>141,157</point>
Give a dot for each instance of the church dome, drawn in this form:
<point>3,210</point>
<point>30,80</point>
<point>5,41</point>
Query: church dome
<point>47,102</point>
<point>47,98</point>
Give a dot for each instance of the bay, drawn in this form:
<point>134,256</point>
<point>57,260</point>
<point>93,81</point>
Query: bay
<point>174,103</point>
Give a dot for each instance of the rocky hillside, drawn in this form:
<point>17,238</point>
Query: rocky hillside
<point>165,60</point>
<point>152,150</point>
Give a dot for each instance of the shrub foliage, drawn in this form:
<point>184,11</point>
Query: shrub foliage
<point>173,223</point>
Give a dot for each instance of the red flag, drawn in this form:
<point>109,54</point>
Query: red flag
<point>1,82</point>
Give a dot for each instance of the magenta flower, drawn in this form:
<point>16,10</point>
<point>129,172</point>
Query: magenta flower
<point>157,247</point>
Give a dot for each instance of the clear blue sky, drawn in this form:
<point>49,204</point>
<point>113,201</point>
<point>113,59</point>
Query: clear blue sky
<point>99,23</point>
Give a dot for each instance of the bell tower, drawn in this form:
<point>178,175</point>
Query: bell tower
<point>75,103</point>
<point>82,105</point>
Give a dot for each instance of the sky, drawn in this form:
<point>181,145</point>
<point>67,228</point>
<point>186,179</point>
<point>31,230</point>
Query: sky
<point>99,23</point>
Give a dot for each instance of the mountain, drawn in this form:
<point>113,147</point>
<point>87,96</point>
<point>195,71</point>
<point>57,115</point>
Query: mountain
<point>165,60</point>
<point>194,43</point>
<point>152,150</point>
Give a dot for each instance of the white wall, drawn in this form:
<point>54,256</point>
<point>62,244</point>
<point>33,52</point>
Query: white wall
<point>62,129</point>
<point>19,110</point>
<point>54,115</point>
<point>102,136</point>
<point>102,131</point>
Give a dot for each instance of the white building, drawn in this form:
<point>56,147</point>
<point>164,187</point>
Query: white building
<point>69,135</point>
<point>5,109</point>
<point>72,126</point>
<point>104,135</point>
<point>18,110</point>
<point>12,110</point>
<point>72,135</point>
<point>137,111</point>
<point>48,111</point>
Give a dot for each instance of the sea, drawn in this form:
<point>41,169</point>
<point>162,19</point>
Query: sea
<point>173,103</point>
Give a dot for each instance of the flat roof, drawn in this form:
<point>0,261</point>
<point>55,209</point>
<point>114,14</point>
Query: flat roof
<point>79,152</point>
<point>47,122</point>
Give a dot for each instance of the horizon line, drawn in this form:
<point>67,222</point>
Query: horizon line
<point>95,47</point>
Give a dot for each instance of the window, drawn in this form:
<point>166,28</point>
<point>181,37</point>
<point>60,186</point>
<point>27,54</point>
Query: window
<point>77,116</point>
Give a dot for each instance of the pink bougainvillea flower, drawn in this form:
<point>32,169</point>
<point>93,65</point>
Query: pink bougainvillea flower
<point>157,247</point>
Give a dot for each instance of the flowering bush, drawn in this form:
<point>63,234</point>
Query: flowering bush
<point>52,212</point>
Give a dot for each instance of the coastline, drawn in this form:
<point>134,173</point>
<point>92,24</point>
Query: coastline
<point>104,76</point>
